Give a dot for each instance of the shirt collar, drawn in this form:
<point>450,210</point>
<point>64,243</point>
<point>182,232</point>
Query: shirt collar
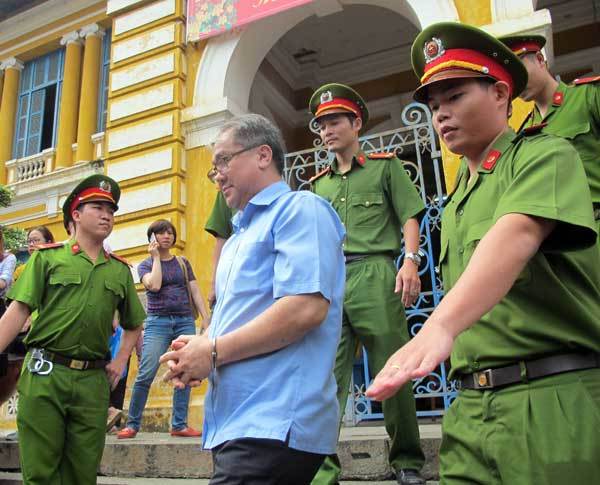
<point>264,198</point>
<point>358,160</point>
<point>75,249</point>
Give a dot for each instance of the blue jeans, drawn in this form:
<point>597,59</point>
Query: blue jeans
<point>159,332</point>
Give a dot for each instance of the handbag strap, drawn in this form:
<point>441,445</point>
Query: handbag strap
<point>183,266</point>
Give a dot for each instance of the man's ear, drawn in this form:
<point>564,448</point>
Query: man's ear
<point>502,91</point>
<point>265,156</point>
<point>357,124</point>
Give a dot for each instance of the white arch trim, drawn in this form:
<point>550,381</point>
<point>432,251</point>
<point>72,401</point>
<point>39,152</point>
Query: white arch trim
<point>230,61</point>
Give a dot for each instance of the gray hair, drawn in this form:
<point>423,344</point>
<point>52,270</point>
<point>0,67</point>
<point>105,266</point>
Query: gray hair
<point>254,130</point>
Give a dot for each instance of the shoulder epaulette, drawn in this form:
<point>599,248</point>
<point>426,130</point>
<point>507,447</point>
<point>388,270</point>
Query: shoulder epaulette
<point>41,247</point>
<point>320,174</point>
<point>586,80</point>
<point>532,130</point>
<point>119,258</point>
<point>381,155</point>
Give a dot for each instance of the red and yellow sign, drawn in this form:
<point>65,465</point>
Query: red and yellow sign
<point>207,18</point>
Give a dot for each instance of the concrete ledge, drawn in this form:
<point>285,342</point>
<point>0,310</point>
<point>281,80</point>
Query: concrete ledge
<point>363,451</point>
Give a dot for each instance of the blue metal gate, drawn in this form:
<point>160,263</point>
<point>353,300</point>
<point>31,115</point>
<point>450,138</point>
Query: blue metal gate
<point>416,144</point>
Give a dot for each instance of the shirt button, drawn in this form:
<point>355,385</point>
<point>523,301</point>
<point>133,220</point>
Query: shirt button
<point>344,177</point>
<point>461,212</point>
<point>367,203</point>
<point>343,199</point>
<point>475,365</point>
<point>461,250</point>
<point>242,229</point>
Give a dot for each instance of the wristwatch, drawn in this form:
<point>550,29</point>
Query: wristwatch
<point>414,257</point>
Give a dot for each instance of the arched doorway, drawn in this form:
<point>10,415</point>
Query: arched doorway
<point>272,68</point>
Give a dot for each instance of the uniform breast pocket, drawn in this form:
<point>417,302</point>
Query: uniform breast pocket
<point>63,284</point>
<point>366,209</point>
<point>115,290</point>
<point>571,131</point>
<point>252,268</point>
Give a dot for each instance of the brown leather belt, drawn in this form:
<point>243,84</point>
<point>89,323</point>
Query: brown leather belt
<point>527,371</point>
<point>76,364</point>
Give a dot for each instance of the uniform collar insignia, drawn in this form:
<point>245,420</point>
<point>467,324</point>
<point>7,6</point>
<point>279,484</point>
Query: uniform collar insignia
<point>361,159</point>
<point>433,49</point>
<point>491,159</point>
<point>558,98</point>
<point>326,96</point>
<point>75,249</point>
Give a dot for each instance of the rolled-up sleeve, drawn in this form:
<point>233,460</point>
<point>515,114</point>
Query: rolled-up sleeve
<point>308,238</point>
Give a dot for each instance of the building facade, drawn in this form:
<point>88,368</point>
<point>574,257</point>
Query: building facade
<point>112,86</point>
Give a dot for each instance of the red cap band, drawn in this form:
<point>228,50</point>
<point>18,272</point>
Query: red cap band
<point>523,47</point>
<point>339,103</point>
<point>91,194</point>
<point>470,60</point>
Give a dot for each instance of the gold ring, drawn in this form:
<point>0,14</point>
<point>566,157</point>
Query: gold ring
<point>395,366</point>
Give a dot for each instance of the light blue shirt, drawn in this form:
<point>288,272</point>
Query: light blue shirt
<point>7,269</point>
<point>284,243</point>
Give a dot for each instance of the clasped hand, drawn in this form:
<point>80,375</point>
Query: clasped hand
<point>189,361</point>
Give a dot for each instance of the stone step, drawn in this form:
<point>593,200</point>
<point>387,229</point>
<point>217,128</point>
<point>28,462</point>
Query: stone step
<point>363,451</point>
<point>15,479</point>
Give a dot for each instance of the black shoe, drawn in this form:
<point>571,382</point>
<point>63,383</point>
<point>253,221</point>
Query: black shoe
<point>408,476</point>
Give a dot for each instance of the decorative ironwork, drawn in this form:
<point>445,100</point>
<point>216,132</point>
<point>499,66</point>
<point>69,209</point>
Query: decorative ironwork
<point>416,144</point>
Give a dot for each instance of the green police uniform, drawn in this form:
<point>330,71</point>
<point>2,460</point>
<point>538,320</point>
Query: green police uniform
<point>219,220</point>
<point>541,431</point>
<point>62,413</point>
<point>374,200</point>
<point>574,114</point>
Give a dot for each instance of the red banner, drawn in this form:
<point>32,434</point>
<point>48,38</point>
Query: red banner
<point>207,18</point>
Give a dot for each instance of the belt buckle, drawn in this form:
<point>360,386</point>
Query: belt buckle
<point>483,379</point>
<point>78,364</point>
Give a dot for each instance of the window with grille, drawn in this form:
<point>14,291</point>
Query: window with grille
<point>39,99</point>
<point>103,99</point>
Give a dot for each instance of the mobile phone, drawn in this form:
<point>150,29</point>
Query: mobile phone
<point>152,238</point>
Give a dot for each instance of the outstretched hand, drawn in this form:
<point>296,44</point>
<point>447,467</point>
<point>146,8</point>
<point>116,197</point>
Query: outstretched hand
<point>431,346</point>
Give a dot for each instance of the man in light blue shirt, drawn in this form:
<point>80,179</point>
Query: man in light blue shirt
<point>271,413</point>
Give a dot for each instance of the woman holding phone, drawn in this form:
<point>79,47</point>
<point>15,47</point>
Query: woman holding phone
<point>171,291</point>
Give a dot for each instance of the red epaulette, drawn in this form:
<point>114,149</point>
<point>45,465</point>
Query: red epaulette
<point>41,247</point>
<point>586,80</point>
<point>381,155</point>
<point>532,130</point>
<point>120,258</point>
<point>320,174</point>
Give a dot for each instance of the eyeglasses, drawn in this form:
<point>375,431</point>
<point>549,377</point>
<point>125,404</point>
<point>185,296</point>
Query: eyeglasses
<point>221,163</point>
<point>35,241</point>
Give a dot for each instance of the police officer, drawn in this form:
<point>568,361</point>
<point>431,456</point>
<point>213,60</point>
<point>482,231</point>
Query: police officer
<point>375,200</point>
<point>520,317</point>
<point>571,112</point>
<point>64,388</point>
<point>218,225</point>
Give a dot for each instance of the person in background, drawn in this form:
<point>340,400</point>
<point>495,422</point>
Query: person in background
<point>219,225</point>
<point>8,262</point>
<point>170,315</point>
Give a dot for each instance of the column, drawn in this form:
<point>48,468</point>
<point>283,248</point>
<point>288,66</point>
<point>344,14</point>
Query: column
<point>90,80</point>
<point>8,111</point>
<point>69,103</point>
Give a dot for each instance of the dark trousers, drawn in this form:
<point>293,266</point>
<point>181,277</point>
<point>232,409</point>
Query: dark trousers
<point>251,461</point>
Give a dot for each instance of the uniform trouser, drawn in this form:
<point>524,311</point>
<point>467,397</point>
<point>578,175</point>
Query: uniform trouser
<point>374,316</point>
<point>62,424</point>
<point>542,433</point>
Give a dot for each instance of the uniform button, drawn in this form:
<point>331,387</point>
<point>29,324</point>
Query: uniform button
<point>461,250</point>
<point>475,365</point>
<point>367,203</point>
<point>344,177</point>
<point>343,199</point>
<point>461,212</point>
